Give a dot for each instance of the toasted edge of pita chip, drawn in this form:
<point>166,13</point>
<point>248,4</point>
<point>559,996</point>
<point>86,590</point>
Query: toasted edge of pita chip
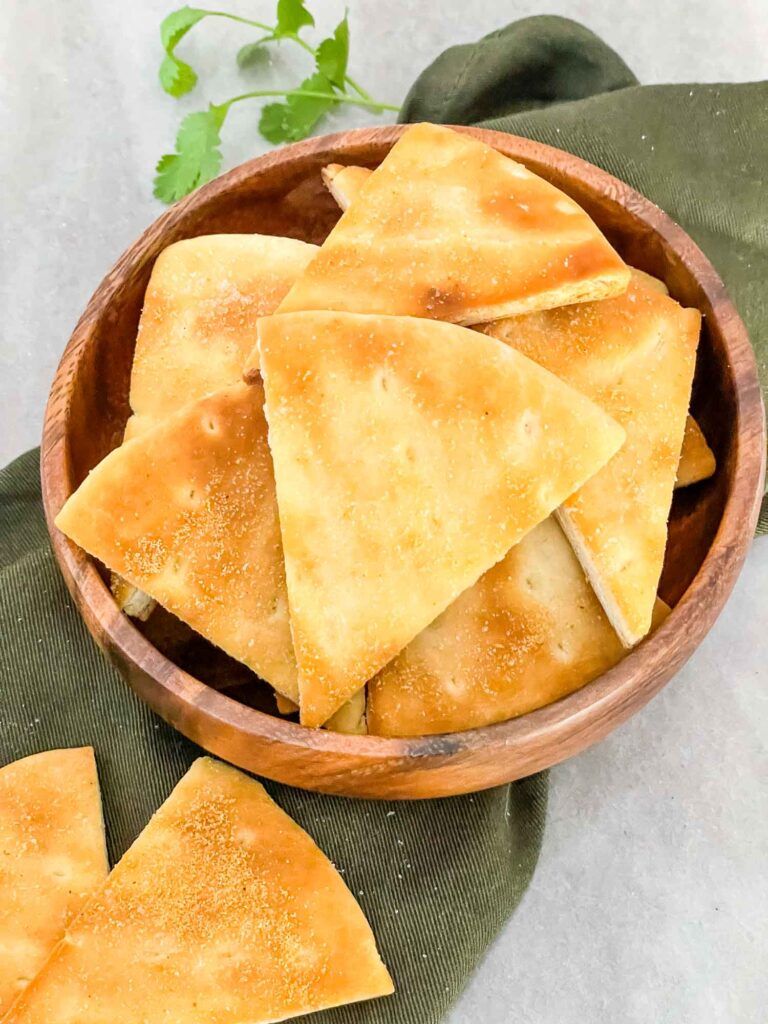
<point>285,706</point>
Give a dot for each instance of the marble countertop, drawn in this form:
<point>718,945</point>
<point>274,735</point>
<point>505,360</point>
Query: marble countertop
<point>650,902</point>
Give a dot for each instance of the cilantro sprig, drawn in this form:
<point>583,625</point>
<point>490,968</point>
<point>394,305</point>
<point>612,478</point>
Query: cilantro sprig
<point>197,157</point>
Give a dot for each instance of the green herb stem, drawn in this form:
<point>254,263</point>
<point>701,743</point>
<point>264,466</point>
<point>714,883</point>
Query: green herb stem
<point>243,21</point>
<point>307,47</point>
<point>337,97</point>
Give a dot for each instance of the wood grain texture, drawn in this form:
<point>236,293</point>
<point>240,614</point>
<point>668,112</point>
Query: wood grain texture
<point>710,532</point>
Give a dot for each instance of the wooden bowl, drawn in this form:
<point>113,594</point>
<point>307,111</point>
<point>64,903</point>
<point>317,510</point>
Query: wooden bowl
<point>711,527</point>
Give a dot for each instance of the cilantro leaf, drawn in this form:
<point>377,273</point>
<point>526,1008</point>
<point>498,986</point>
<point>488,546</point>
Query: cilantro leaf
<point>197,158</point>
<point>175,25</point>
<point>272,123</point>
<point>253,53</point>
<point>292,16</point>
<point>177,77</point>
<point>333,54</point>
<point>296,117</point>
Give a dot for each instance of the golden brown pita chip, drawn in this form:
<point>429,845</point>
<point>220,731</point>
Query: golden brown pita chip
<point>284,705</point>
<point>52,857</point>
<point>697,460</point>
<point>634,356</point>
<point>529,632</point>
<point>223,911</point>
<point>409,457</point>
<point>198,324</point>
<point>187,513</point>
<point>447,228</point>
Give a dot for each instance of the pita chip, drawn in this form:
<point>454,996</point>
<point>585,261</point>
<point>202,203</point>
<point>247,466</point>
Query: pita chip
<point>448,228</point>
<point>187,513</point>
<point>52,857</point>
<point>635,357</point>
<point>197,326</point>
<point>655,283</point>
<point>198,323</point>
<point>529,632</point>
<point>222,910</point>
<point>409,456</point>
<point>351,717</point>
<point>344,183</point>
<point>284,705</point>
<point>697,460</point>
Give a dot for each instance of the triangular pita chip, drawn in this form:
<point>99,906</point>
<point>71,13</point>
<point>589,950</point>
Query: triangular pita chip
<point>448,228</point>
<point>52,857</point>
<point>634,356</point>
<point>199,318</point>
<point>409,457</point>
<point>197,326</point>
<point>187,513</point>
<point>697,460</point>
<point>529,632</point>
<point>222,910</point>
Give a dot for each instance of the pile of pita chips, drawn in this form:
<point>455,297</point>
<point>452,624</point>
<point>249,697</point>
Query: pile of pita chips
<point>450,449</point>
<point>223,909</point>
<point>697,460</point>
<point>52,857</point>
<point>410,467</point>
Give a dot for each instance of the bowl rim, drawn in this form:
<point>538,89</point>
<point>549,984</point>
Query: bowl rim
<point>565,719</point>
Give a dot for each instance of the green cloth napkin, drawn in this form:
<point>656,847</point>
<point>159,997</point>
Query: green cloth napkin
<point>437,879</point>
